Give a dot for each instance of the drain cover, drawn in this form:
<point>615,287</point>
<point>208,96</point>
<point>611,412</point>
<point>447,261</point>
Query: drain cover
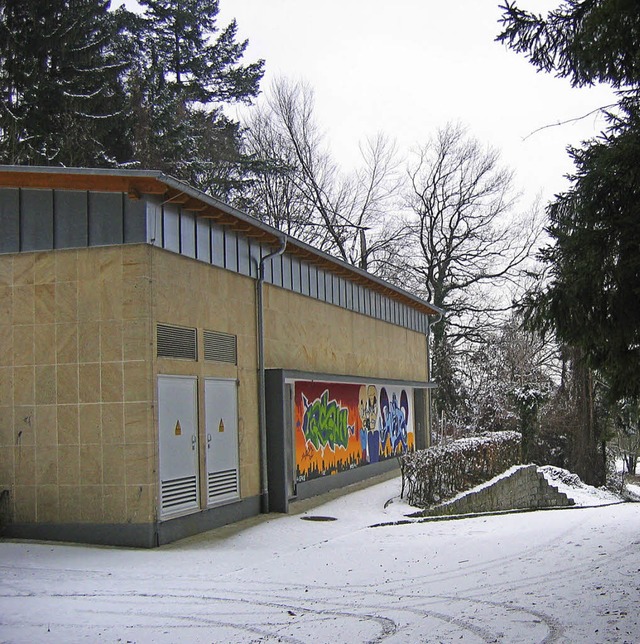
<point>318,518</point>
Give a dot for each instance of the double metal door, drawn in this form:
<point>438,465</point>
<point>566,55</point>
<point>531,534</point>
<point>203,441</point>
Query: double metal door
<point>179,444</point>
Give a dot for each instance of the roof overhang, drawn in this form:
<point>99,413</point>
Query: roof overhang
<point>136,183</point>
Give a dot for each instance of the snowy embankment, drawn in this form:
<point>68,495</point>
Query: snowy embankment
<point>570,484</point>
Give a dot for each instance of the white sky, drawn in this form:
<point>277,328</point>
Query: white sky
<point>408,67</point>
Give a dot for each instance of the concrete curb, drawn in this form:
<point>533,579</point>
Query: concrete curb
<point>475,515</point>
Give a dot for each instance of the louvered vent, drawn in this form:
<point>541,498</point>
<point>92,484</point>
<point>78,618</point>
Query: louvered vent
<point>220,347</point>
<point>178,494</point>
<point>223,484</point>
<point>176,342</point>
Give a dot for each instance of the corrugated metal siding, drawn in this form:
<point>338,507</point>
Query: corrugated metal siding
<point>171,228</point>
<point>135,224</point>
<point>106,218</point>
<point>188,234</point>
<point>38,219</point>
<point>217,245</point>
<point>203,241</point>
<point>10,220</point>
<point>71,223</point>
<point>244,256</point>
<point>231,251</point>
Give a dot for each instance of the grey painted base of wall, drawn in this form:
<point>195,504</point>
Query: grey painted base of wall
<point>136,535</point>
<point>307,489</point>
<point>190,524</point>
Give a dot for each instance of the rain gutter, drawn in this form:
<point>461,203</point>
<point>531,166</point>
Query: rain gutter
<point>262,407</point>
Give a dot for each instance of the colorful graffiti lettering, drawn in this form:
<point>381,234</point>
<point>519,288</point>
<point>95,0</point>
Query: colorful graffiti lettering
<point>325,423</point>
<point>341,426</point>
<point>395,416</point>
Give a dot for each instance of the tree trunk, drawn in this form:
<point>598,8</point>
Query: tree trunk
<point>584,458</point>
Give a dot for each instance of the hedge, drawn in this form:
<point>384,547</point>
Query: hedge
<point>435,474</point>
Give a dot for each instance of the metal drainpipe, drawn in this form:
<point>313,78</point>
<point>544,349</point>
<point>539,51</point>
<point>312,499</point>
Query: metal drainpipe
<point>429,362</point>
<point>262,408</point>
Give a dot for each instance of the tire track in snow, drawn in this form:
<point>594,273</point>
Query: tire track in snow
<point>386,625</point>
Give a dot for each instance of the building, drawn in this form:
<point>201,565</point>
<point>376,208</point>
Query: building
<point>169,364</point>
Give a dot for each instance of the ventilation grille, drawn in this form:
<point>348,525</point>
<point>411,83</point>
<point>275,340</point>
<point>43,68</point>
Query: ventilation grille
<point>220,347</point>
<point>179,493</point>
<point>177,342</point>
<point>223,484</point>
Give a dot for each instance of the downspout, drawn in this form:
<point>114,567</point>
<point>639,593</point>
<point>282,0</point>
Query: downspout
<point>429,365</point>
<point>262,407</point>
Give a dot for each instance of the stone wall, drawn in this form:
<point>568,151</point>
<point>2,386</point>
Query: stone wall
<point>523,488</point>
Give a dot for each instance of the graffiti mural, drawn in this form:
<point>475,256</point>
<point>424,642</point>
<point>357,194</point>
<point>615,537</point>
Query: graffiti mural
<point>340,426</point>
<point>325,423</point>
<point>395,415</point>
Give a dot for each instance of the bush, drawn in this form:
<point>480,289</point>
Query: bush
<point>438,473</point>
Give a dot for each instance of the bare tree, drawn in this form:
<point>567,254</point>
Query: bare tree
<point>303,191</point>
<point>469,243</point>
<point>274,197</point>
<point>468,246</point>
<point>627,433</point>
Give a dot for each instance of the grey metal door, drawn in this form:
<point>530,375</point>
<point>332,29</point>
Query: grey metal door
<point>178,444</point>
<point>221,427</point>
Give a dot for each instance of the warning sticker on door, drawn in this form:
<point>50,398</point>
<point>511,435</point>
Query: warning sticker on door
<point>221,426</point>
<point>178,430</point>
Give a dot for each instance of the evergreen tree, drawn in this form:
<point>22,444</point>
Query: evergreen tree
<point>187,71</point>
<point>591,297</point>
<point>60,79</point>
<point>591,300</point>
<point>85,86</point>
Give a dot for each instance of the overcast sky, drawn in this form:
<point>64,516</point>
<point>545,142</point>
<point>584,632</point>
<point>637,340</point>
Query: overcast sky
<point>407,67</point>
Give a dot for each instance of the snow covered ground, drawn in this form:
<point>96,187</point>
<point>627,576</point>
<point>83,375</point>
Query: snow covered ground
<point>565,576</point>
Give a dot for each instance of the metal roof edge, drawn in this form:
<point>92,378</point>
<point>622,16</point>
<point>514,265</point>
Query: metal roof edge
<point>55,169</point>
<point>309,376</point>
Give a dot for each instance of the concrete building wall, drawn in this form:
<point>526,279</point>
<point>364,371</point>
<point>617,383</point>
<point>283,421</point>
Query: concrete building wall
<point>300,333</point>
<point>192,294</point>
<point>79,368</point>
<point>103,270</point>
<point>305,334</point>
<point>76,431</point>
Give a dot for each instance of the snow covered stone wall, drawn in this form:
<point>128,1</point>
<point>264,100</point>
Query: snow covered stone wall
<point>519,488</point>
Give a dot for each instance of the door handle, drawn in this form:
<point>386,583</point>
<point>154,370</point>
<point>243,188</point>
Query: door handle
<point>193,442</point>
<point>208,441</point>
